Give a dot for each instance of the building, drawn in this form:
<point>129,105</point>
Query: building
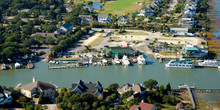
<point>137,89</point>
<point>143,106</point>
<point>44,35</point>
<point>179,106</point>
<point>179,30</point>
<point>104,18</point>
<point>65,28</point>
<point>192,51</point>
<point>5,96</point>
<point>33,90</point>
<point>86,19</point>
<point>94,88</point>
<point>120,51</point>
<point>123,19</point>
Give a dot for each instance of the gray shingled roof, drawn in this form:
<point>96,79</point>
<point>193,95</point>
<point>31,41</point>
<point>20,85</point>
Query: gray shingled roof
<point>103,15</point>
<point>39,84</point>
<point>87,87</point>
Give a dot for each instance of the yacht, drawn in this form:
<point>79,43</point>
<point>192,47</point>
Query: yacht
<point>208,63</point>
<point>17,65</point>
<point>141,60</point>
<point>3,67</point>
<point>125,60</point>
<point>104,62</point>
<point>179,64</point>
<point>116,60</point>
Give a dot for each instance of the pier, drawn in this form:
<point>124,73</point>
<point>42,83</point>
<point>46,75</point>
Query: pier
<point>64,67</point>
<point>191,97</point>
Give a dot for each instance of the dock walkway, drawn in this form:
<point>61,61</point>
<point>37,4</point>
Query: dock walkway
<point>191,97</point>
<point>64,67</point>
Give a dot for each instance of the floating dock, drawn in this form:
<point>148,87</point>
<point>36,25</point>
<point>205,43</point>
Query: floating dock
<point>64,67</point>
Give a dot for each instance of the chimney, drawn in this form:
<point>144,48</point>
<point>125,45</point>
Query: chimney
<point>34,79</point>
<point>142,100</point>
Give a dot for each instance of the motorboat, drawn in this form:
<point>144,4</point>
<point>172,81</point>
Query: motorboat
<point>116,60</point>
<point>17,65</point>
<point>125,60</point>
<point>141,60</point>
<point>3,67</point>
<point>104,62</point>
<point>208,63</point>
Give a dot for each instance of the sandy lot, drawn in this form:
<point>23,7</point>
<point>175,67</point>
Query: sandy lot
<point>91,39</point>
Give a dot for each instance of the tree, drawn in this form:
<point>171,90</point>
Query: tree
<point>127,94</point>
<point>41,100</point>
<point>161,88</point>
<point>50,40</point>
<point>150,84</point>
<point>113,87</point>
<point>168,87</point>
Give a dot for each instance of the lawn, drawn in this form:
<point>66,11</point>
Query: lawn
<point>121,7</point>
<point>97,41</point>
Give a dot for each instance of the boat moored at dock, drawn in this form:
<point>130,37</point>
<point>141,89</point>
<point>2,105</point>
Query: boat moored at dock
<point>141,60</point>
<point>208,63</point>
<point>116,61</point>
<point>17,65</point>
<point>179,64</point>
<point>3,67</point>
<point>125,60</point>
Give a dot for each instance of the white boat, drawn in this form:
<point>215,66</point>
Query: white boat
<point>52,62</point>
<point>179,64</point>
<point>185,86</point>
<point>208,63</point>
<point>219,67</point>
<point>116,60</point>
<point>104,62</point>
<point>63,62</point>
<point>90,61</point>
<point>17,65</point>
<point>141,60</point>
<point>3,67</point>
<point>125,60</point>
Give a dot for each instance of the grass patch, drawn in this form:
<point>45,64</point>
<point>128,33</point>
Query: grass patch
<point>121,7</point>
<point>168,107</point>
<point>97,41</point>
<point>168,53</point>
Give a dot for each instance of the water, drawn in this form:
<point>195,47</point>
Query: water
<point>203,78</point>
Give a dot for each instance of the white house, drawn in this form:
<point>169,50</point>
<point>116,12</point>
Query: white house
<point>104,18</point>
<point>5,96</point>
<point>65,28</point>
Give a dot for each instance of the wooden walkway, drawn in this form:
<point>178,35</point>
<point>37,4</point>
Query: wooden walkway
<point>64,67</point>
<point>192,97</point>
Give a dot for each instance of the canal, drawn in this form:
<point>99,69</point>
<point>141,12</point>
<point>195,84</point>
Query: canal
<point>202,78</point>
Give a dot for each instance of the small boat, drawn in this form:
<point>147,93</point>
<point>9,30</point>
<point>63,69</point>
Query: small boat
<point>141,60</point>
<point>125,60</point>
<point>185,86</point>
<point>161,60</point>
<point>71,64</point>
<point>208,63</point>
<point>219,67</point>
<point>116,61</point>
<point>179,64</point>
<point>17,65</point>
<point>3,67</point>
<point>104,62</point>
<point>18,85</point>
<point>52,62</point>
<point>94,63</point>
<point>90,61</point>
<point>63,62</point>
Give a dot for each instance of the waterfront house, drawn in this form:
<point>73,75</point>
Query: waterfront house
<point>143,106</point>
<point>123,19</point>
<point>120,51</point>
<point>65,28</point>
<point>93,88</point>
<point>137,89</point>
<point>33,90</point>
<point>86,19</point>
<point>104,18</point>
<point>5,96</point>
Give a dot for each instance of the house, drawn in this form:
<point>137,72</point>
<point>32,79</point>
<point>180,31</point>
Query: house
<point>86,19</point>
<point>179,106</point>
<point>33,90</point>
<point>120,51</point>
<point>179,30</point>
<point>143,106</point>
<point>44,35</point>
<point>5,96</point>
<point>137,90</point>
<point>94,88</point>
<point>65,28</point>
<point>52,7</point>
<point>123,19</point>
<point>104,18</point>
<point>94,5</point>
<point>149,11</point>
